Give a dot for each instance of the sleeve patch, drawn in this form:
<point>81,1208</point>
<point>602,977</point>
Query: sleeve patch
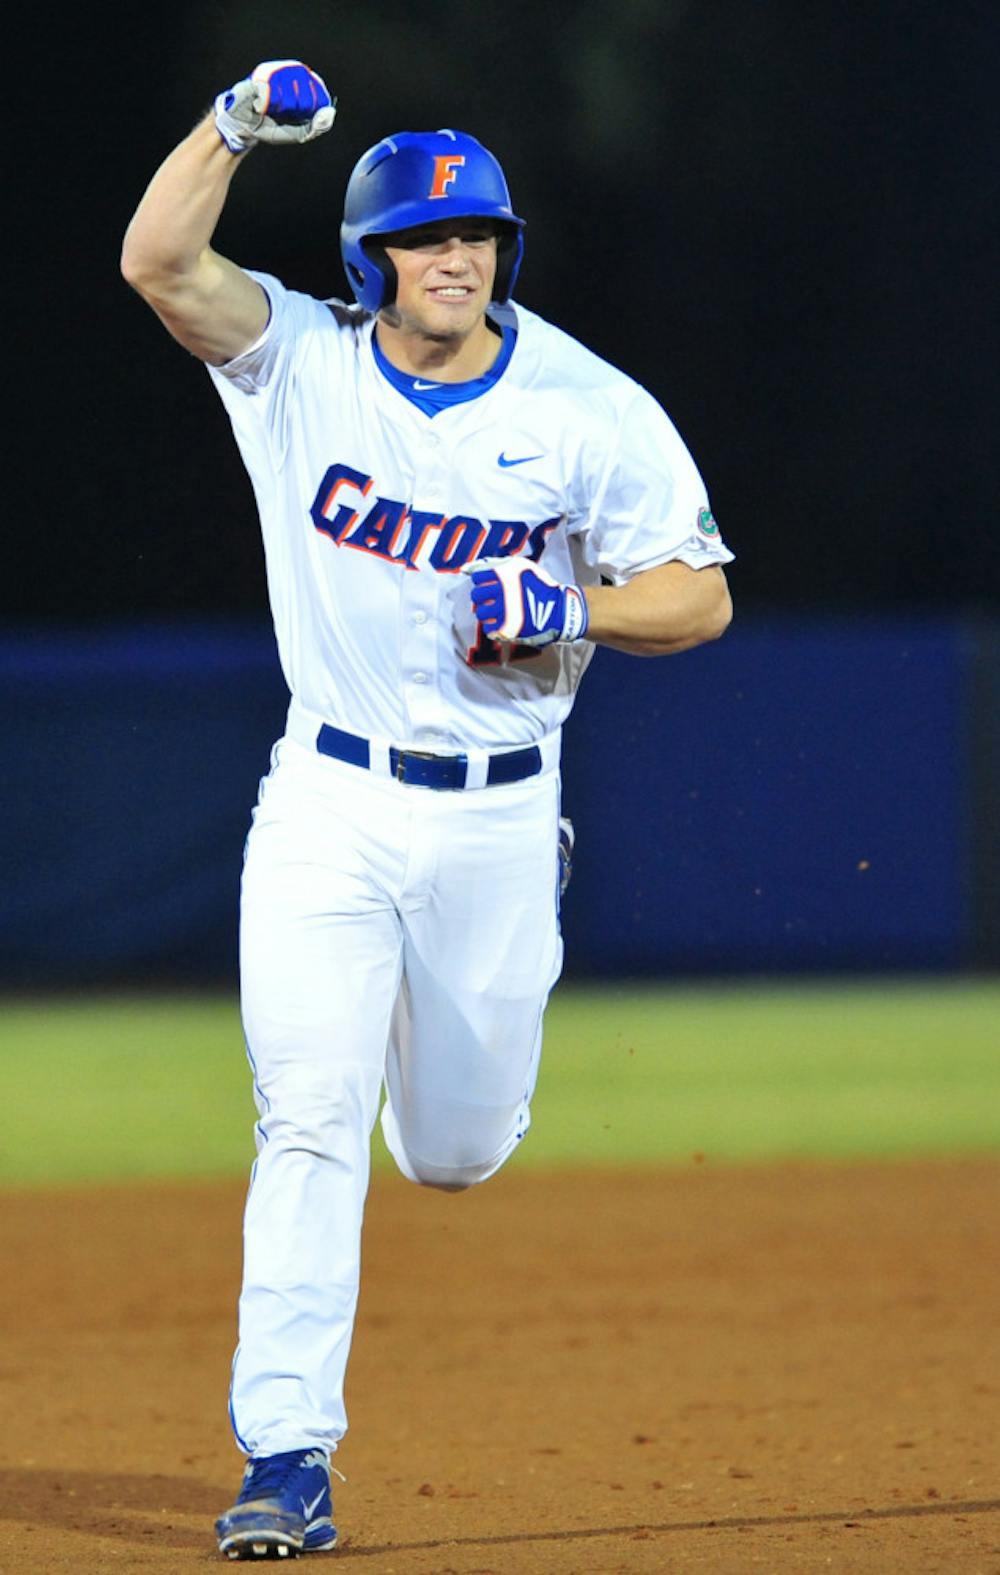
<point>706,523</point>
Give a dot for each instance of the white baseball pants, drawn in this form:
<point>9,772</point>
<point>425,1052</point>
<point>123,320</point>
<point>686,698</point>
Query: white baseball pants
<point>393,934</point>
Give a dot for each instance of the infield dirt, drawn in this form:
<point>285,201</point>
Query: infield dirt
<point>703,1369</point>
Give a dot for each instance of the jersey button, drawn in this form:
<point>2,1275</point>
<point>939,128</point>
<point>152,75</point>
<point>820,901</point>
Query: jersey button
<point>419,617</point>
<point>420,678</point>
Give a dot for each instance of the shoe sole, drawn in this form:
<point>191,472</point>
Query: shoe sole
<point>261,1550</point>
<point>271,1545</point>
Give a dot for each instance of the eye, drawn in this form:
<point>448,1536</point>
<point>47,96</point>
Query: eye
<point>410,240</point>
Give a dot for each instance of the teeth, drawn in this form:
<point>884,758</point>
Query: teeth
<point>450,290</point>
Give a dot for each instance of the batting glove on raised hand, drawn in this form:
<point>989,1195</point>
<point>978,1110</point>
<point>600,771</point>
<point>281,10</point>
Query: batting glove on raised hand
<point>516,600</point>
<point>280,101</point>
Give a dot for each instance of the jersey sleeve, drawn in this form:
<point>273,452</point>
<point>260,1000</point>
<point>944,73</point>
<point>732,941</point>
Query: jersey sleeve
<point>650,505</point>
<point>258,386</point>
<point>262,362</point>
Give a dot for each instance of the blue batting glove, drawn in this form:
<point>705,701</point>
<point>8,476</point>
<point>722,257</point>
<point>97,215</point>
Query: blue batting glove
<point>516,600</point>
<point>280,101</point>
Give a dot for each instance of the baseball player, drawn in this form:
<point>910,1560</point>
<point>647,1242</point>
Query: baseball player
<point>458,501</point>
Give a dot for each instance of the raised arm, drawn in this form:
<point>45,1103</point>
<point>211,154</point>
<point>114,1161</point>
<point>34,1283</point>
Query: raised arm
<point>208,303</point>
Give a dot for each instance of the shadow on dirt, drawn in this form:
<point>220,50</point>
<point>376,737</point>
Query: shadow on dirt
<point>134,1508</point>
<point>956,1508</point>
<point>116,1505</point>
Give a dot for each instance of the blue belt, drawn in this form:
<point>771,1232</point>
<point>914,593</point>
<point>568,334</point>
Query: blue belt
<point>420,769</point>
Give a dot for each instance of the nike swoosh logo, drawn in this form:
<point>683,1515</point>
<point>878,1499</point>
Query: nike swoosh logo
<point>309,1509</point>
<point>506,463</point>
<point>420,387</point>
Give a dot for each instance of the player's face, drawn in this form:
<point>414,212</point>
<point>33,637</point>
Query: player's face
<point>445,274</point>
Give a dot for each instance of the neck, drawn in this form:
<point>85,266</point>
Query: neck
<point>445,359</point>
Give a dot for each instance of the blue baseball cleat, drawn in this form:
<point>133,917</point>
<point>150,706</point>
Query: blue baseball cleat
<point>284,1508</point>
<point>567,837</point>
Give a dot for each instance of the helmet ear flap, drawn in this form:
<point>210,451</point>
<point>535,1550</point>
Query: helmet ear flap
<point>510,249</point>
<point>379,259</point>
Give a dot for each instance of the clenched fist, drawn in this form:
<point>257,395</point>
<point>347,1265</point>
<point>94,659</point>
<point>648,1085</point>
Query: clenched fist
<point>280,101</point>
<point>516,600</point>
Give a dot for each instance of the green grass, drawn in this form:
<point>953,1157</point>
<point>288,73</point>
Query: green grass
<point>115,1088</point>
<point>754,1072</point>
<point>112,1088</point>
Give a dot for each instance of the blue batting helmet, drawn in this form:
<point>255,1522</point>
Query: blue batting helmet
<point>418,177</point>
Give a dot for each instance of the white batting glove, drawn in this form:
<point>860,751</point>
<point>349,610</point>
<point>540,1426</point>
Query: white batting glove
<point>280,101</point>
<point>516,600</point>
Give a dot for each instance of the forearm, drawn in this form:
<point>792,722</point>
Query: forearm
<point>169,237</point>
<point>664,610</point>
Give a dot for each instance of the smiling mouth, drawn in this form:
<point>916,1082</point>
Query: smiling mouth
<point>451,292</point>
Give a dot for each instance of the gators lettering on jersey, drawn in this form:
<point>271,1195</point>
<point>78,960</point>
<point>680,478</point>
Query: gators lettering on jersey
<point>413,537</point>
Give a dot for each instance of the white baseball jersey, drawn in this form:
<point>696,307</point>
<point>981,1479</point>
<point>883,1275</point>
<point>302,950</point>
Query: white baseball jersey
<point>370,508</point>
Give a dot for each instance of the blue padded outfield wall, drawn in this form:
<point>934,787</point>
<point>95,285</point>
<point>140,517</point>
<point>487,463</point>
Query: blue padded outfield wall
<point>811,796</point>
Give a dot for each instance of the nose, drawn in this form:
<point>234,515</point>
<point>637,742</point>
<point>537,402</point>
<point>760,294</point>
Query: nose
<point>454,256</point>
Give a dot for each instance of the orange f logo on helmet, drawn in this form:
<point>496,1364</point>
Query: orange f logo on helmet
<point>446,167</point>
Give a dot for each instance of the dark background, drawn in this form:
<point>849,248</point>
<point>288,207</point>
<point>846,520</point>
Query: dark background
<point>779,217</point>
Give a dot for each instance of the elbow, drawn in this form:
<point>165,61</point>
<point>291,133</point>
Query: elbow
<point>131,265</point>
<point>711,624</point>
<point>126,264</point>
<point>717,615</point>
<point>160,288</point>
<point>721,617</point>
<point>150,276</point>
<point>130,260</point>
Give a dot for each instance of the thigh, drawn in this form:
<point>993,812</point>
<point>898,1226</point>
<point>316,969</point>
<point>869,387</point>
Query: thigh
<point>482,950</point>
<point>320,938</point>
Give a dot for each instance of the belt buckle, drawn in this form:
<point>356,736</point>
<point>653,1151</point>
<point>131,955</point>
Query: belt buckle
<point>403,755</point>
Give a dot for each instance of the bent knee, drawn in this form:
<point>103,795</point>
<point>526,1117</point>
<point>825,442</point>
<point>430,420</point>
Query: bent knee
<point>458,1154</point>
<point>449,1178</point>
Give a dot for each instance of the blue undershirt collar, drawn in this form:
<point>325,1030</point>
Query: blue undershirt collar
<point>431,397</point>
